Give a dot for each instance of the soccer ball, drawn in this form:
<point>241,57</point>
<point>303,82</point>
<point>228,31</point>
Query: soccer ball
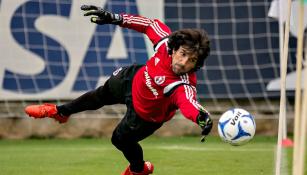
<point>236,126</point>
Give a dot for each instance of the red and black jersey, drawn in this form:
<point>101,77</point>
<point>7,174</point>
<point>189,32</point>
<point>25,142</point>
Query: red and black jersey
<point>157,92</point>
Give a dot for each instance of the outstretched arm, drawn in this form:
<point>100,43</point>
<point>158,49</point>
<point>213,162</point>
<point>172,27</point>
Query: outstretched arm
<point>185,98</point>
<point>153,28</point>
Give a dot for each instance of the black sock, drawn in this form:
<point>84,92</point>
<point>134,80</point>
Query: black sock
<point>137,167</point>
<point>63,111</point>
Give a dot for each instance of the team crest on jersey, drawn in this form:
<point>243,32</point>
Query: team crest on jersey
<point>159,79</point>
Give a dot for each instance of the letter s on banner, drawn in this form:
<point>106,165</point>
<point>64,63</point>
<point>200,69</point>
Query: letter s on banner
<point>53,54</point>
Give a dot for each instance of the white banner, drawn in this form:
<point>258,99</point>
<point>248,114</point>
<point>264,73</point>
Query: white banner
<point>49,50</point>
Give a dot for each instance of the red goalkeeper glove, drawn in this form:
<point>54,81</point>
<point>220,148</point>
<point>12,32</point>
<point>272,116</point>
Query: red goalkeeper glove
<point>101,16</point>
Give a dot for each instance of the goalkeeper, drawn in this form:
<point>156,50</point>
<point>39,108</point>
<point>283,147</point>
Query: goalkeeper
<point>151,92</point>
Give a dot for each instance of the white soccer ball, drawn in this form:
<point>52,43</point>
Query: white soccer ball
<point>236,126</point>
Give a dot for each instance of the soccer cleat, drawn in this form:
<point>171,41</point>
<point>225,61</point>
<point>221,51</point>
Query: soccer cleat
<point>45,110</point>
<point>148,169</point>
<point>127,171</point>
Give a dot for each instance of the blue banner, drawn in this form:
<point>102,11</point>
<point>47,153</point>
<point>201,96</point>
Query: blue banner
<point>49,50</point>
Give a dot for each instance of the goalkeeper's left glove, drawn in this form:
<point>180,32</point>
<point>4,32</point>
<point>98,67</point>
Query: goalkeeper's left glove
<point>205,122</point>
<point>101,16</point>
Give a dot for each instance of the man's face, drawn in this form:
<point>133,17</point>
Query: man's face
<point>183,61</point>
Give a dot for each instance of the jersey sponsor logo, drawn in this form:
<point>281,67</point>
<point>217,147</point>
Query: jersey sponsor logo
<point>149,84</point>
<point>159,79</point>
<point>117,71</point>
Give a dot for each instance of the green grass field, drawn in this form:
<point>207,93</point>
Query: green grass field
<point>171,156</point>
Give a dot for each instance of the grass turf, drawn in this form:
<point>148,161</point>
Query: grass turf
<point>171,156</point>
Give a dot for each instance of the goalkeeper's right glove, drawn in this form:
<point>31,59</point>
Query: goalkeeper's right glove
<point>205,122</point>
<point>101,16</point>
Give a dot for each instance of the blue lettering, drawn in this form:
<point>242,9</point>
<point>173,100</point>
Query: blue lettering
<point>53,54</point>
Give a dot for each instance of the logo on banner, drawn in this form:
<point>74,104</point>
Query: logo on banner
<point>43,71</point>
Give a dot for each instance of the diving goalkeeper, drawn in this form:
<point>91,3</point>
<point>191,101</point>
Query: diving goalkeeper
<point>151,92</point>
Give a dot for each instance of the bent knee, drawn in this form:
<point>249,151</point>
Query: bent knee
<point>117,142</point>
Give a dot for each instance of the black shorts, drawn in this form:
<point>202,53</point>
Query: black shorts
<point>119,85</point>
<point>131,128</point>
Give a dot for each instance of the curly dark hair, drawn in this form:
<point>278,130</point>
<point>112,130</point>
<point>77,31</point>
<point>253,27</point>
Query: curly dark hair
<point>194,40</point>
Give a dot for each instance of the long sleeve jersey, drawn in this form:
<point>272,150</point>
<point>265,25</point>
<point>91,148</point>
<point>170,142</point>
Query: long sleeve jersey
<point>157,92</point>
